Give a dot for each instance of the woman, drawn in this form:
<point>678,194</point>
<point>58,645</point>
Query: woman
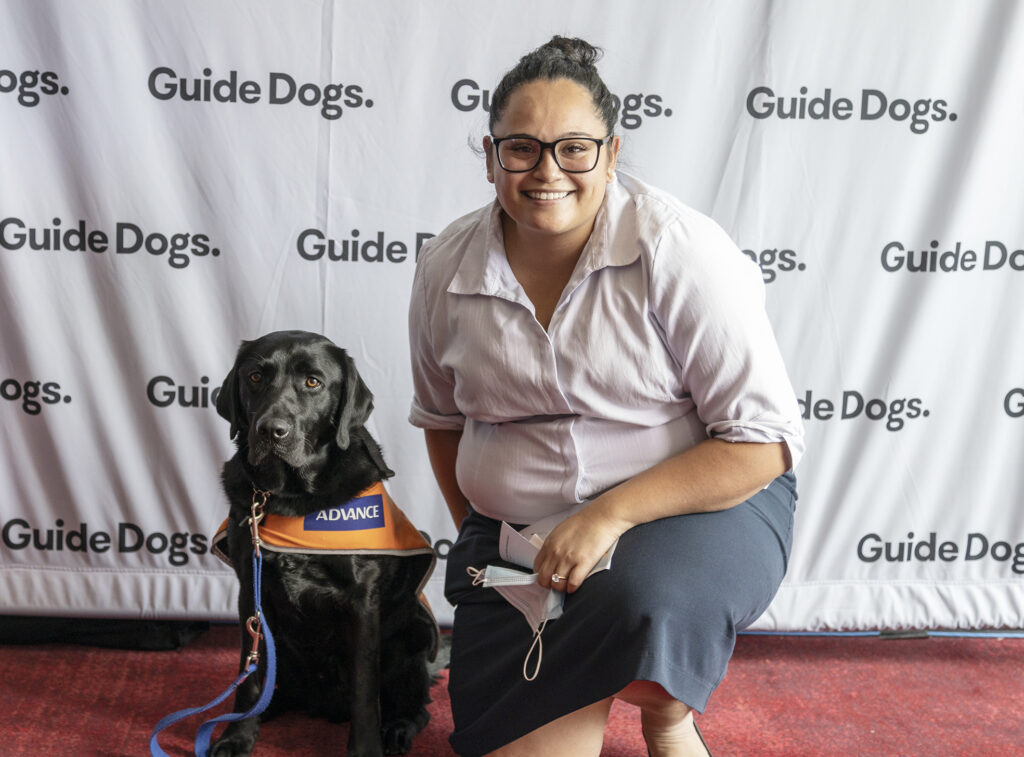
<point>588,342</point>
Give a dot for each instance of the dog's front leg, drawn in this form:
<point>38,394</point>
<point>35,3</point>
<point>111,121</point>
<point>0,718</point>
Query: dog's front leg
<point>364,650</point>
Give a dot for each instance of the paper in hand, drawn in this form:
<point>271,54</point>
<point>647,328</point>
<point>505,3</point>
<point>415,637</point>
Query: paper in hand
<point>521,547</point>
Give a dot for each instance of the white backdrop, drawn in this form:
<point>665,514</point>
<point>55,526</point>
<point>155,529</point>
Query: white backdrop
<point>176,177</point>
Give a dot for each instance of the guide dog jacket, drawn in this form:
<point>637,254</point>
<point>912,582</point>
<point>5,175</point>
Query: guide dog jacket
<point>368,524</point>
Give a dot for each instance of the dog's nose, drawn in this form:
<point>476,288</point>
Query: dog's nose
<point>275,428</point>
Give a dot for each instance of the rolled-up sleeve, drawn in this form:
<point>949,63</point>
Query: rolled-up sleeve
<point>709,299</point>
<point>433,403</point>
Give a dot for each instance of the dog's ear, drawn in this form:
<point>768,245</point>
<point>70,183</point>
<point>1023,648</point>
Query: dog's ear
<point>356,402</point>
<point>228,403</point>
<point>373,450</point>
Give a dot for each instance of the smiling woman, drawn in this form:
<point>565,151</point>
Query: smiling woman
<point>588,349</point>
<point>550,191</point>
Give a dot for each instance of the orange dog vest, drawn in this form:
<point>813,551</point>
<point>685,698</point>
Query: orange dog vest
<point>368,524</point>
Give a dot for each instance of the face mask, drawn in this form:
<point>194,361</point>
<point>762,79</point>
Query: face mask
<point>521,590</point>
<point>537,604</point>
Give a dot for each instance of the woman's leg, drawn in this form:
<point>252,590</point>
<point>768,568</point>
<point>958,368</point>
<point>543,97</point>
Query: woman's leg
<point>578,734</point>
<point>667,723</point>
<point>667,611</point>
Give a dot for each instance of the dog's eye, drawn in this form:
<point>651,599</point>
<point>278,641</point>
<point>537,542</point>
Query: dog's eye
<point>255,377</point>
<point>312,382</point>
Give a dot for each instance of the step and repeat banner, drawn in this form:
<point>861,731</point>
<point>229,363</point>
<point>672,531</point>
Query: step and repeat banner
<point>178,177</point>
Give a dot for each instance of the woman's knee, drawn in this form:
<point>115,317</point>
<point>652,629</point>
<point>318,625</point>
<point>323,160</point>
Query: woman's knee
<point>578,734</point>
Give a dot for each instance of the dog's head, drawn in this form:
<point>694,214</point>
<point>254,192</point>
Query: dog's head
<point>290,394</point>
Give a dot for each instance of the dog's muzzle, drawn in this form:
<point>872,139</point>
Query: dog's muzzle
<point>276,435</point>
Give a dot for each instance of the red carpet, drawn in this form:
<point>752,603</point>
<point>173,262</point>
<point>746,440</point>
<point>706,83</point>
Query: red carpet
<point>785,695</point>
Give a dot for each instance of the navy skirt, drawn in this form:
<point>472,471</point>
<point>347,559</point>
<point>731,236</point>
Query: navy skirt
<point>667,610</point>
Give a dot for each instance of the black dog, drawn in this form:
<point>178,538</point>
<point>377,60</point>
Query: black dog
<point>353,641</point>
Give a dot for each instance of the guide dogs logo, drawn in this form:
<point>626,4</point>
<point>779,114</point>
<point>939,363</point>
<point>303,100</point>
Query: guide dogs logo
<point>164,83</point>
<point>872,105</point>
<point>31,86</point>
<point>19,534</point>
<point>163,391</point>
<point>976,546</point>
<point>314,244</point>
<point>895,412</point>
<point>467,96</point>
<point>127,239</point>
<point>994,256</point>
<point>1013,403</point>
<point>773,260</point>
<point>32,394</point>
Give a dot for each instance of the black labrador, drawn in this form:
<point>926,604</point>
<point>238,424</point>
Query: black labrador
<point>353,641</point>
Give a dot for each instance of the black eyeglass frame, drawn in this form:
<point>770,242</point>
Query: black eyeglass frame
<point>496,141</point>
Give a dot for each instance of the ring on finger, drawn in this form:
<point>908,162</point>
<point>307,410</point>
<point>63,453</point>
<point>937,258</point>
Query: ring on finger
<point>556,578</point>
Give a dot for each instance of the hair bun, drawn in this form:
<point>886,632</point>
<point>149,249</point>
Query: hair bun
<point>574,49</point>
<point>561,57</point>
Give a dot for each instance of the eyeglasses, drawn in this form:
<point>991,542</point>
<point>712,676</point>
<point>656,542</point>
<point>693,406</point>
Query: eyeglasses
<point>572,154</point>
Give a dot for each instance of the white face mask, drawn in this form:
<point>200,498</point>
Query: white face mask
<point>521,590</point>
<point>537,604</point>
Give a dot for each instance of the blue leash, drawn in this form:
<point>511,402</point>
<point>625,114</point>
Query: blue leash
<point>257,626</point>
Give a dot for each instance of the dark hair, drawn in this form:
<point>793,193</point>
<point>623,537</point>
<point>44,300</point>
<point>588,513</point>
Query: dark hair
<point>561,58</point>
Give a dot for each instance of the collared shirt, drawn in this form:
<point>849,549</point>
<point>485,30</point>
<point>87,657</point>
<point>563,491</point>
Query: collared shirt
<point>659,341</point>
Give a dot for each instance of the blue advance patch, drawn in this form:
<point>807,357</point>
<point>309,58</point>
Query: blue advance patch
<point>359,514</point>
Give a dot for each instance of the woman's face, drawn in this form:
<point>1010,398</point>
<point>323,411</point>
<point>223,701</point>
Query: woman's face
<point>547,203</point>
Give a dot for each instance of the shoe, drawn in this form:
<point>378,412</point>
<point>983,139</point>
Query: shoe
<point>701,737</point>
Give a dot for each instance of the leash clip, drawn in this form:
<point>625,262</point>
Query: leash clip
<point>253,626</point>
<point>259,501</point>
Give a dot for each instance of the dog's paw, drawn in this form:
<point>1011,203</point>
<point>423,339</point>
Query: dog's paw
<point>397,735</point>
<point>234,745</point>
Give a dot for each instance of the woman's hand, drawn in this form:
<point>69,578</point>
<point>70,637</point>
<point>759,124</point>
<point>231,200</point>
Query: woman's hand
<point>573,548</point>
<point>712,475</point>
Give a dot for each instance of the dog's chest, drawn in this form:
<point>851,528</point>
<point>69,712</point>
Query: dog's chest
<point>316,583</point>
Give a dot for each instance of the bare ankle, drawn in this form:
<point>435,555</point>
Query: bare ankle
<point>668,736</point>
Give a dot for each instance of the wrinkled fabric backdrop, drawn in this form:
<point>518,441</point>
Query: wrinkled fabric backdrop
<point>177,177</point>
